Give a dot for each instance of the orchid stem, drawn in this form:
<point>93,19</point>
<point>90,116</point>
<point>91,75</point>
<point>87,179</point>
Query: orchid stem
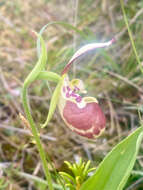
<point>36,136</point>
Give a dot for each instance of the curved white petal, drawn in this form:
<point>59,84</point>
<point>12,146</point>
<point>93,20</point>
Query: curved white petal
<point>89,47</point>
<point>85,49</point>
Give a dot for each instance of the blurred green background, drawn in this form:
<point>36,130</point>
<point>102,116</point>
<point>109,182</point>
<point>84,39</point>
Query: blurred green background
<point>111,75</point>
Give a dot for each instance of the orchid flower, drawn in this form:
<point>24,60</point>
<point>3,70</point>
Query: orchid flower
<point>82,115</point>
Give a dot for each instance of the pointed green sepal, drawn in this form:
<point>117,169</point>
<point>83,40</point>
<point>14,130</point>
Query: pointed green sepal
<point>54,101</point>
<point>50,76</point>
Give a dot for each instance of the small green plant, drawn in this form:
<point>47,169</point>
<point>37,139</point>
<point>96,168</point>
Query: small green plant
<point>79,174</point>
<point>3,183</point>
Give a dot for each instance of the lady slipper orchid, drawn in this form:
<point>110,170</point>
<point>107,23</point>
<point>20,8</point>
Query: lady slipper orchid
<point>82,115</point>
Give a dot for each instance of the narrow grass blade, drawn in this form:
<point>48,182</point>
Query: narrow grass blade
<point>115,169</point>
<point>131,36</point>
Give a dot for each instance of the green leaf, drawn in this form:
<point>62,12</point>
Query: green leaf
<point>40,66</point>
<point>67,177</point>
<point>54,101</point>
<point>67,25</point>
<point>115,169</point>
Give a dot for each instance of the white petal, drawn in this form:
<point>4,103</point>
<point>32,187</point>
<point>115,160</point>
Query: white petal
<point>89,47</point>
<point>84,50</point>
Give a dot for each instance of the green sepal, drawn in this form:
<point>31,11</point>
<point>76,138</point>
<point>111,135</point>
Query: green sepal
<point>50,76</point>
<point>54,101</point>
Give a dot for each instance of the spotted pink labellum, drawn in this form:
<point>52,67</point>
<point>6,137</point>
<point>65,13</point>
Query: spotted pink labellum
<point>82,115</point>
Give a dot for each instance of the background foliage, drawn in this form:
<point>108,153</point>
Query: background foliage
<point>112,76</point>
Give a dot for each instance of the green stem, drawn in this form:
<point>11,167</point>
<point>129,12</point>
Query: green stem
<point>130,35</point>
<point>36,137</point>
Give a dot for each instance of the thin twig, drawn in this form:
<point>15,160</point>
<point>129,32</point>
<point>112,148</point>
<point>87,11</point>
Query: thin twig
<point>75,35</point>
<point>26,132</point>
<point>125,80</point>
<point>37,179</point>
